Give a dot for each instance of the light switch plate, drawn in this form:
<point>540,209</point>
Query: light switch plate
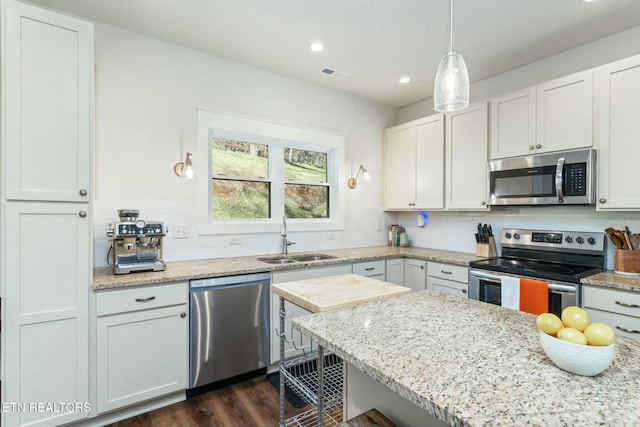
<point>180,231</point>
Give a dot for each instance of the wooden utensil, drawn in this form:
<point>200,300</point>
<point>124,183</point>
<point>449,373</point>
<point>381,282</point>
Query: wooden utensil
<point>614,238</point>
<point>627,236</point>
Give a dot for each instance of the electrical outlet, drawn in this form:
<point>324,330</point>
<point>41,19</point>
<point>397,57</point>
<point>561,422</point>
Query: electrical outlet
<point>331,236</point>
<point>235,241</point>
<point>378,226</point>
<point>180,231</point>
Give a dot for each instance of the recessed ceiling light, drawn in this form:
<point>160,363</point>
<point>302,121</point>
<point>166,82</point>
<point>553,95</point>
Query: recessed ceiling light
<point>316,46</point>
<point>404,79</point>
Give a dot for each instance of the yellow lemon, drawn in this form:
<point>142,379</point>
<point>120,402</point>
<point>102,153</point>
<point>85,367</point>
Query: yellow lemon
<point>572,335</point>
<point>549,323</point>
<point>575,317</point>
<point>599,334</point>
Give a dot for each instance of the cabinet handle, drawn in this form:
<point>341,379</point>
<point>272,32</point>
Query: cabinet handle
<point>145,299</point>
<point>538,146</point>
<point>183,314</point>
<point>83,192</point>
<point>629,331</point>
<point>483,203</point>
<point>602,200</point>
<point>531,147</point>
<point>82,214</point>
<point>369,269</point>
<point>624,304</point>
<point>464,291</point>
<point>422,267</point>
<point>446,272</point>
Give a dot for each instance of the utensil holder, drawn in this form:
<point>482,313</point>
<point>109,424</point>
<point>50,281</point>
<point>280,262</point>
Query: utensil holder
<point>487,250</point>
<point>626,262</point>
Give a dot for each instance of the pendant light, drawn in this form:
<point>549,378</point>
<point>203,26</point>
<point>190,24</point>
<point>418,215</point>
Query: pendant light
<point>451,89</point>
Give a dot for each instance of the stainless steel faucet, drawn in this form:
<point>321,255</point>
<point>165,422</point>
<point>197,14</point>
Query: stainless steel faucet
<point>283,233</point>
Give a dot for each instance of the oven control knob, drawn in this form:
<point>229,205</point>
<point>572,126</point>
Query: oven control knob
<point>508,235</point>
<point>568,239</point>
<point>516,236</point>
<point>591,241</point>
<point>124,230</point>
<point>580,240</point>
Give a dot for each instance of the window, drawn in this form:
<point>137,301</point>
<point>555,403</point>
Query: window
<point>260,171</point>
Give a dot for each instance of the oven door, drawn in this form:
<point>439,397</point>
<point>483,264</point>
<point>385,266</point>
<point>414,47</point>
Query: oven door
<point>485,286</point>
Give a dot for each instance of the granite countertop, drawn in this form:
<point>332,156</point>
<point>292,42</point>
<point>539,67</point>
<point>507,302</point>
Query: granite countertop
<point>474,364</point>
<point>330,293</point>
<point>609,279</point>
<point>103,278</point>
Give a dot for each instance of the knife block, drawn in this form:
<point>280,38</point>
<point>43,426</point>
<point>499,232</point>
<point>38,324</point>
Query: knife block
<point>487,250</point>
<point>626,262</point>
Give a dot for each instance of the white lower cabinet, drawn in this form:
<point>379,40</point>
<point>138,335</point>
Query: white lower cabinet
<point>415,274</point>
<point>448,279</point>
<point>293,310</point>
<point>617,308</point>
<point>394,271</point>
<point>142,344</point>
<point>372,269</point>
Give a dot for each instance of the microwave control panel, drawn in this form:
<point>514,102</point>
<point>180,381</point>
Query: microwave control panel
<point>575,182</point>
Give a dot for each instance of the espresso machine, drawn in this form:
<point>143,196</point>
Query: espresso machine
<point>136,244</point>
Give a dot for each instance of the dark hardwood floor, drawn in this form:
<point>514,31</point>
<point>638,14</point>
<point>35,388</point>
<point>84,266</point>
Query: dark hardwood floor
<point>251,403</point>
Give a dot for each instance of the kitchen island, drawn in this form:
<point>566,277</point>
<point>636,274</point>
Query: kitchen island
<point>467,363</point>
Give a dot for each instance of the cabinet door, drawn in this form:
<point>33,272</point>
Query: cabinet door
<point>49,69</point>
<point>395,271</point>
<point>619,148</point>
<point>399,146</point>
<point>447,286</point>
<point>466,148</point>
<point>513,124</point>
<point>141,355</point>
<point>48,277</point>
<point>565,113</point>
<point>415,274</point>
<point>429,162</point>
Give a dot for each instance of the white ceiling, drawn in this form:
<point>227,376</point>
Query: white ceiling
<point>374,42</point>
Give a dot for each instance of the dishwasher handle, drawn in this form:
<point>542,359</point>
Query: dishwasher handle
<point>204,287</point>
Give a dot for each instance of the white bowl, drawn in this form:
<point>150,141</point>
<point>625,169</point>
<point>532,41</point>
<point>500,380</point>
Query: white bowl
<point>578,359</point>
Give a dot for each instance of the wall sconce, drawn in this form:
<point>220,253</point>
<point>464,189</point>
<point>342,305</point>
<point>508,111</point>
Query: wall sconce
<point>185,169</point>
<point>353,181</point>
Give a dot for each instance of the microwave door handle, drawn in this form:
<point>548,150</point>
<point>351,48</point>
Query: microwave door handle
<point>559,169</point>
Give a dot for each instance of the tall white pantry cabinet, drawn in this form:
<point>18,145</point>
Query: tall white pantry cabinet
<point>47,137</point>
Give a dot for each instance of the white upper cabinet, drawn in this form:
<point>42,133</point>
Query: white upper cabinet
<point>466,152</point>
<point>513,118</point>
<point>619,139</point>
<point>413,164</point>
<point>49,64</point>
<point>553,116</point>
<point>565,113</point>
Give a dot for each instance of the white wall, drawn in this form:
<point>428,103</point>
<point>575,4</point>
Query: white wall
<point>603,51</point>
<point>147,92</point>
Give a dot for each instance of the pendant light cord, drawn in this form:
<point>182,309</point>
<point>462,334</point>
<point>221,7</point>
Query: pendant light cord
<point>451,29</point>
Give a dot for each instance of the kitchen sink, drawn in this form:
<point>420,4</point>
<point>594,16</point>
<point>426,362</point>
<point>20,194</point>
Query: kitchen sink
<point>292,259</point>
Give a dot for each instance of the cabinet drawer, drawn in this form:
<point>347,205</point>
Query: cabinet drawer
<point>448,286</point>
<point>447,271</point>
<point>615,301</point>
<point>626,326</point>
<point>372,268</point>
<point>124,300</point>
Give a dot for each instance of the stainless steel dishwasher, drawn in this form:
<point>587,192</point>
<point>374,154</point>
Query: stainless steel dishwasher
<point>229,327</point>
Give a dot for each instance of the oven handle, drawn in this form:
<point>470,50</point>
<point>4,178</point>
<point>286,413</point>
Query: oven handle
<point>562,288</point>
<point>559,170</point>
<point>485,276</point>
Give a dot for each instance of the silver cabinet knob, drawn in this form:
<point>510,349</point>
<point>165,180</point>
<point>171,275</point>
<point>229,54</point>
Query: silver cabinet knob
<point>82,214</point>
<point>538,146</point>
<point>83,192</point>
<point>531,147</point>
<point>483,203</point>
<point>183,314</point>
<point>602,200</point>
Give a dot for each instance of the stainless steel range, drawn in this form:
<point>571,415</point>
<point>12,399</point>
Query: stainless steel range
<point>561,258</point>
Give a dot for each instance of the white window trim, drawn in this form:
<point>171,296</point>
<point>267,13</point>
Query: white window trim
<point>308,140</point>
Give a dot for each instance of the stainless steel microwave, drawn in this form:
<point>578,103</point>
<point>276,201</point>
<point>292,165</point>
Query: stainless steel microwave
<point>563,178</point>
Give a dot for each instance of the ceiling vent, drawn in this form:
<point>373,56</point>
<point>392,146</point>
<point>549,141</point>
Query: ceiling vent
<point>333,73</point>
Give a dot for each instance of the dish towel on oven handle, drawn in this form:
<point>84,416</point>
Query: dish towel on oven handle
<point>510,292</point>
<point>534,296</point>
